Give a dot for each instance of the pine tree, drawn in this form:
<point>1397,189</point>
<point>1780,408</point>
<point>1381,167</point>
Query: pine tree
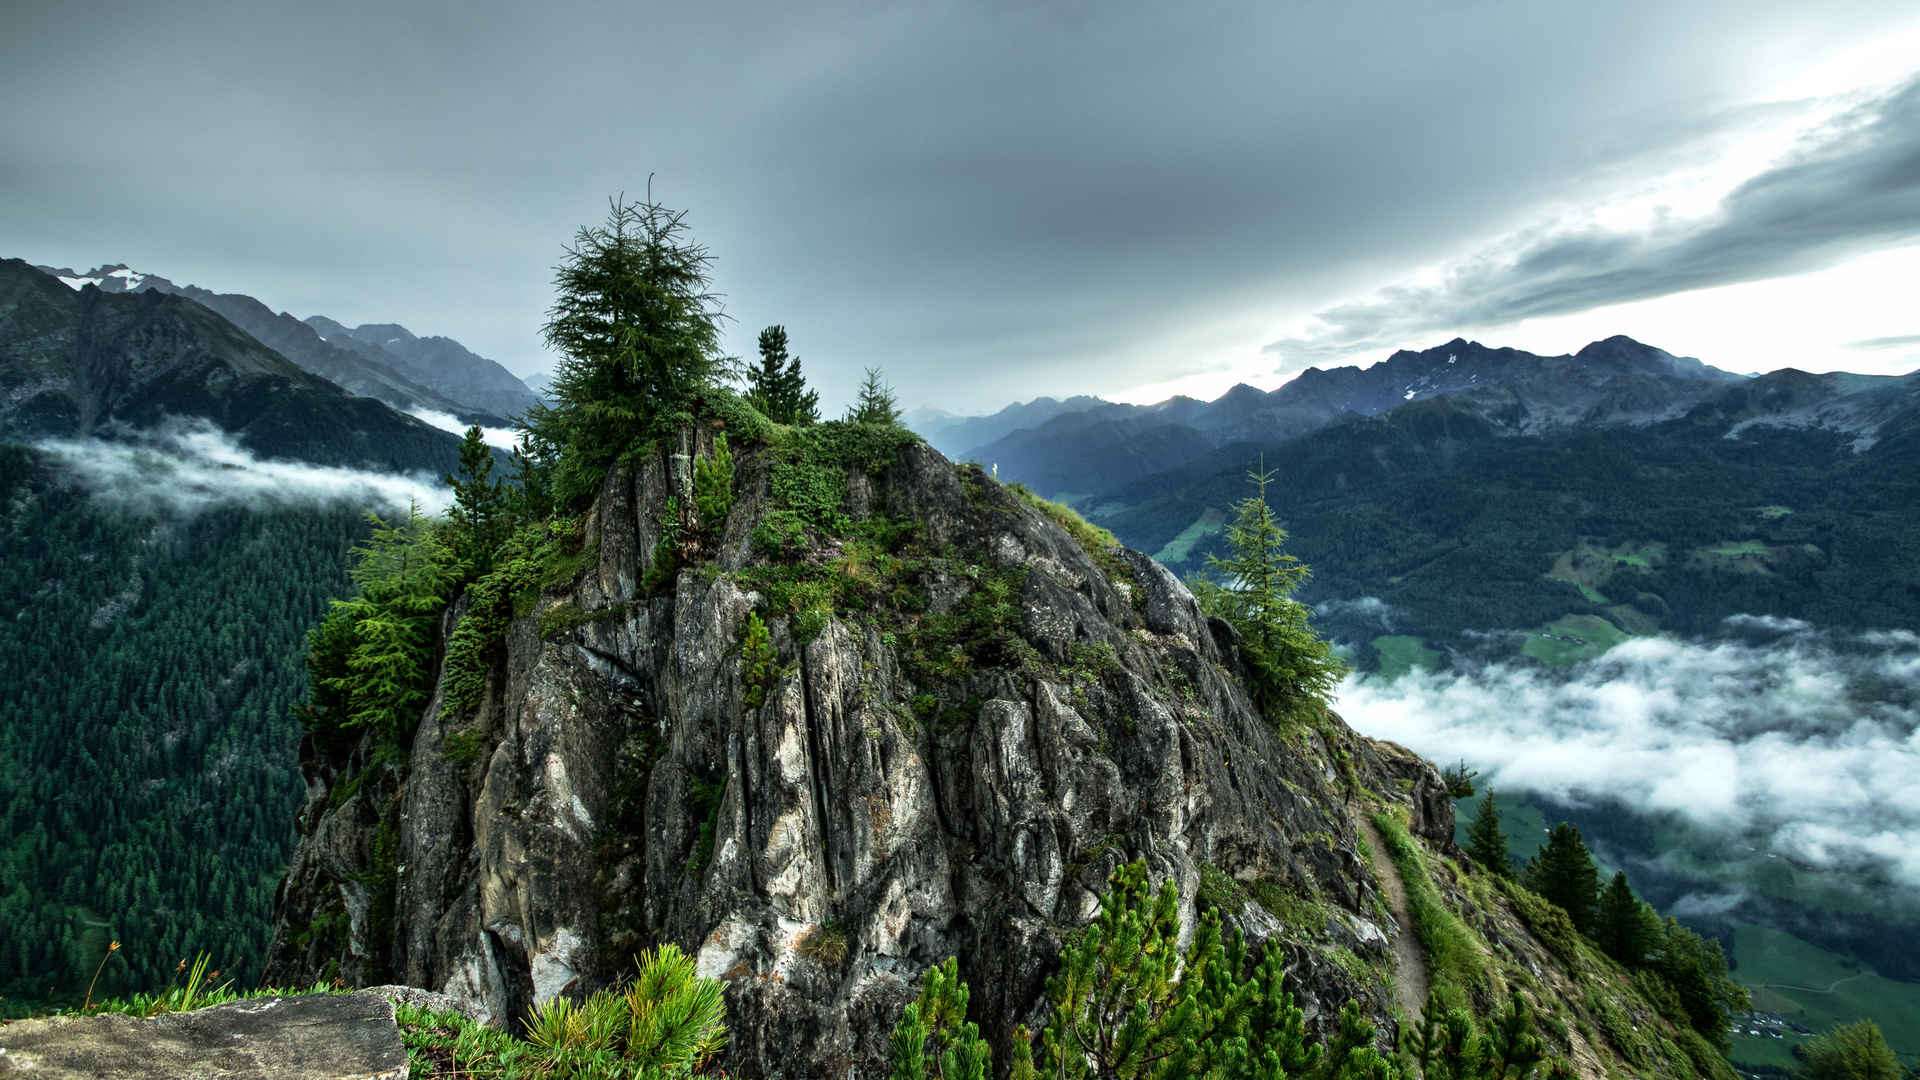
<point>875,403</point>
<point>1485,842</point>
<point>638,331</point>
<point>1129,1002</point>
<point>1624,927</point>
<point>480,514</point>
<point>934,1037</point>
<point>1290,663</point>
<point>776,387</point>
<point>1564,873</point>
<point>403,577</point>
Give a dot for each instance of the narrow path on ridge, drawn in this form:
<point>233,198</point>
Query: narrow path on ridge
<point>1410,979</point>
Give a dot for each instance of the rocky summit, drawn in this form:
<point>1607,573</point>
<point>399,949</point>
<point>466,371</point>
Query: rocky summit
<point>864,709</point>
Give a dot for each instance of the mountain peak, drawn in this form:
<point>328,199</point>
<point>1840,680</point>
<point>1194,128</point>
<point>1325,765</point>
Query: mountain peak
<point>383,333</point>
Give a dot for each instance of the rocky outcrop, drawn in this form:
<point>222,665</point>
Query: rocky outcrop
<point>304,1037</point>
<point>970,720</point>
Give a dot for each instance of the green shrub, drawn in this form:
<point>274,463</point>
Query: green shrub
<point>757,667</point>
<point>667,1023</point>
<point>713,484</point>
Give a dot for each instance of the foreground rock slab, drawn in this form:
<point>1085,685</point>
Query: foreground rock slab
<point>306,1037</point>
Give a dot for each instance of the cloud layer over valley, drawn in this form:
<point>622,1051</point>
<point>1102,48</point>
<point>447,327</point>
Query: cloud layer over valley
<point>499,438</point>
<point>1806,740</point>
<point>190,466</point>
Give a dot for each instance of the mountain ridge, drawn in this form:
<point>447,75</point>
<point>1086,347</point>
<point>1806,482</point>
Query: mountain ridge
<point>1101,445</point>
<point>76,364</point>
<point>434,373</point>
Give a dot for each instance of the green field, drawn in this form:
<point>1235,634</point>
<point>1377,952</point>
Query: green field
<point>1400,654</point>
<point>1739,549</point>
<point>1773,513</point>
<point>1817,989</point>
<point>1177,549</point>
<point>1572,638</point>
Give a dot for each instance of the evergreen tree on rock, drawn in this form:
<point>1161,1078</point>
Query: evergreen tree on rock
<point>875,403</point>
<point>776,387</point>
<point>1291,663</point>
<point>637,327</point>
<point>480,514</point>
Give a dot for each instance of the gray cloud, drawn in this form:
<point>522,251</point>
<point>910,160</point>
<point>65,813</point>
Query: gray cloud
<point>988,200</point>
<point>188,466</point>
<point>1808,740</point>
<point>1853,186</point>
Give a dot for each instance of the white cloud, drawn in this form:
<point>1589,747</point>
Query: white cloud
<point>501,438</point>
<point>1362,607</point>
<point>188,466</point>
<point>1811,739</point>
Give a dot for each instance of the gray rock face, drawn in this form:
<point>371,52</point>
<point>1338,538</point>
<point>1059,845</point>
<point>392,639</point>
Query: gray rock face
<point>905,808</point>
<point>307,1037</point>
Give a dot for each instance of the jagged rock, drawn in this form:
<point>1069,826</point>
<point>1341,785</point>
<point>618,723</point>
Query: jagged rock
<point>627,795</point>
<point>304,1037</point>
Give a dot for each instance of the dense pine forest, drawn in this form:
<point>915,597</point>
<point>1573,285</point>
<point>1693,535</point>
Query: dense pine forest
<point>159,656</point>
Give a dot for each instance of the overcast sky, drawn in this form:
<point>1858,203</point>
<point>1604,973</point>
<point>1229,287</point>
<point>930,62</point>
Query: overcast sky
<point>993,201</point>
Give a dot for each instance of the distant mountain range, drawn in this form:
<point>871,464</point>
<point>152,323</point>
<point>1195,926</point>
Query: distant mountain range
<point>378,360</point>
<point>86,362</point>
<point>1085,445</point>
<point>1468,491</point>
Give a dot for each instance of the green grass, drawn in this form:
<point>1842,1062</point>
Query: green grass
<point>1817,989</point>
<point>1401,653</point>
<point>1178,549</point>
<point>1453,954</point>
<point>1739,549</point>
<point>1771,513</point>
<point>1572,638</point>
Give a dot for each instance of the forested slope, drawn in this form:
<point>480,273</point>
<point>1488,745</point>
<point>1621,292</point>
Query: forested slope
<point>147,669</point>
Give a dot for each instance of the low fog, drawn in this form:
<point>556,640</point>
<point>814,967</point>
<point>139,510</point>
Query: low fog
<point>189,466</point>
<point>1809,738</point>
<point>500,438</point>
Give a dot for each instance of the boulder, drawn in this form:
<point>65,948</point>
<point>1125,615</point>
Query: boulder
<point>303,1037</point>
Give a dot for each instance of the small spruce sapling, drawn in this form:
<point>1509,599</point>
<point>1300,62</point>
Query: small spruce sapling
<point>875,403</point>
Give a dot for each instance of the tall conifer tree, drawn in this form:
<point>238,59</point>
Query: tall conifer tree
<point>1564,873</point>
<point>637,327</point>
<point>1485,842</point>
<point>1626,928</point>
<point>1291,663</point>
<point>480,512</point>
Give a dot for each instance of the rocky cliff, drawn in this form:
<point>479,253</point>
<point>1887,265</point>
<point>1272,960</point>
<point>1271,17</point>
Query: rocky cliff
<point>962,715</point>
